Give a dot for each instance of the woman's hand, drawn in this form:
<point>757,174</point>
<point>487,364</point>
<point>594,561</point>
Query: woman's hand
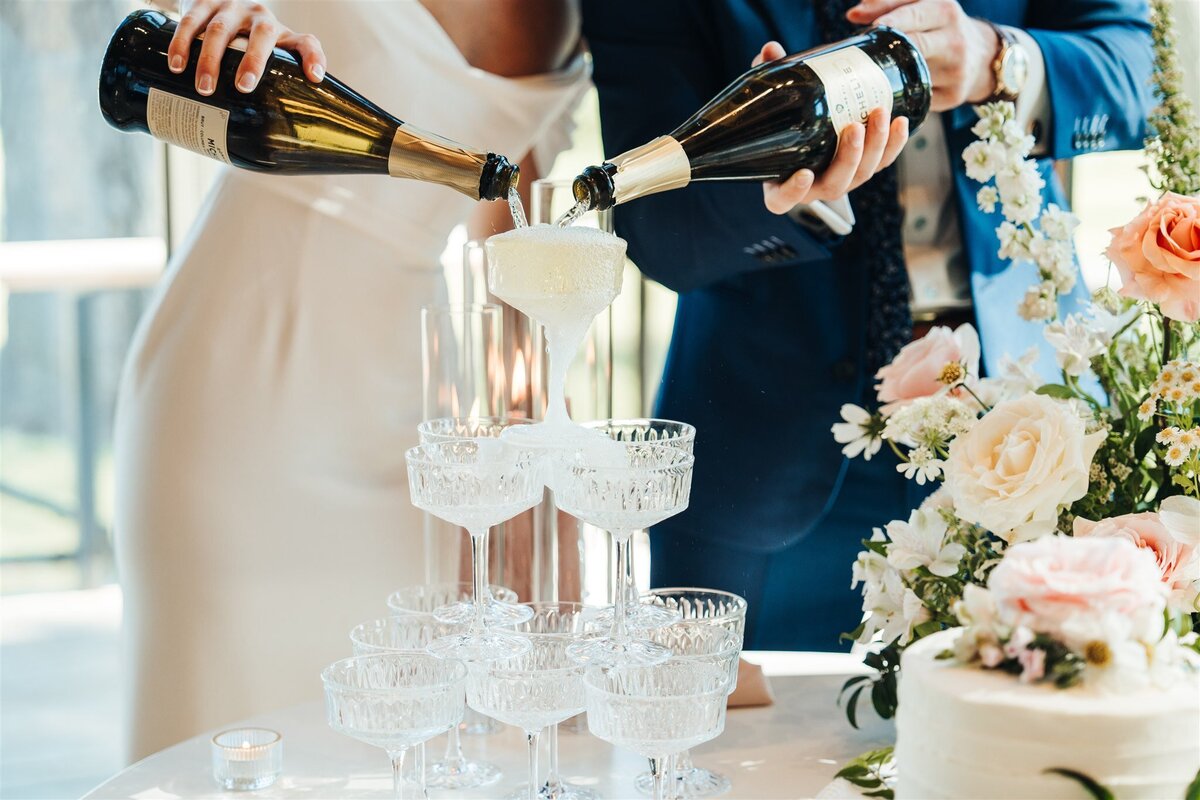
<point>863,150</point>
<point>220,21</point>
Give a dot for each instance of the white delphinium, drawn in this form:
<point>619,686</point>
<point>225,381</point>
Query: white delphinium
<point>1015,241</point>
<point>1020,185</point>
<point>1016,376</point>
<point>1040,303</point>
<point>983,159</point>
<point>921,542</point>
<point>860,432</point>
<point>1055,260</point>
<point>1058,224</point>
<point>992,118</point>
<point>987,198</point>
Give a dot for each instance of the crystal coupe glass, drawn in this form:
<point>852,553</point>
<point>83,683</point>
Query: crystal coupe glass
<point>655,431</point>
<point>711,607</point>
<point>537,689</point>
<point>623,487</point>
<point>394,701</point>
<point>657,711</point>
<point>475,484</point>
<point>413,633</point>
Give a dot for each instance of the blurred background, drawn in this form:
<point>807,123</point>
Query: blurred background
<point>88,218</point>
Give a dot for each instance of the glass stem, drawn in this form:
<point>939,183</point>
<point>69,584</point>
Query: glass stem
<point>672,778</point>
<point>418,771</point>
<point>631,578</point>
<point>479,576</point>
<point>619,632</point>
<point>454,759</point>
<point>656,772</point>
<point>532,738</point>
<point>398,781</point>
<point>553,785</point>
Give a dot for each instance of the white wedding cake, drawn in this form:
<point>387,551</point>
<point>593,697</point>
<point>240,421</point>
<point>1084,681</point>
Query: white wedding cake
<point>966,732</point>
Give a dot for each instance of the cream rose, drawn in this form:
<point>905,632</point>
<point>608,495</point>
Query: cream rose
<point>1158,256</point>
<point>919,369</point>
<point>1177,561</point>
<point>1059,584</point>
<point>1018,464</point>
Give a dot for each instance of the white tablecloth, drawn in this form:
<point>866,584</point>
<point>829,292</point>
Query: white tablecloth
<point>787,750</point>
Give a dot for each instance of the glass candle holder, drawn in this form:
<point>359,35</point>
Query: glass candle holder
<point>245,759</point>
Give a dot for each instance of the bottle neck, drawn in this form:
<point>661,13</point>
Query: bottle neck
<point>424,156</point>
<point>656,166</point>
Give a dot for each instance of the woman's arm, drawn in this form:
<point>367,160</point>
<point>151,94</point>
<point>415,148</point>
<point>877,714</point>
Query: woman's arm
<point>511,38</point>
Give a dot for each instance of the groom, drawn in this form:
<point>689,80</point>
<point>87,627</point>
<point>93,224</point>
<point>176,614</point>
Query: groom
<point>780,319</point>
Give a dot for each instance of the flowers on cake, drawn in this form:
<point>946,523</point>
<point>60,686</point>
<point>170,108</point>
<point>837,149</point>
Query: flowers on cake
<point>1066,609</point>
<point>1064,537</point>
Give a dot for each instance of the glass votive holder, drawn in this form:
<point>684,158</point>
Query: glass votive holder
<point>245,759</point>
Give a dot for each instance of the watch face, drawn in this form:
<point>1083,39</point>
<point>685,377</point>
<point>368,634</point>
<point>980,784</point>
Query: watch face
<point>1015,68</point>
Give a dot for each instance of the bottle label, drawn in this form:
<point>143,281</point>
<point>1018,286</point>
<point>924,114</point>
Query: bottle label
<point>189,124</point>
<point>854,85</point>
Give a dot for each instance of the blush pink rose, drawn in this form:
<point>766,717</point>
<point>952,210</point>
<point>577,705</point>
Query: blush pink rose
<point>1046,583</point>
<point>915,371</point>
<point>1158,256</point>
<point>1176,560</point>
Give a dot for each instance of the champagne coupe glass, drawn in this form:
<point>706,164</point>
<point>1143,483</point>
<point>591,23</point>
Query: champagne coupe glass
<point>498,612</point>
<point>475,484</point>
<point>662,431</point>
<point>394,701</point>
<point>413,633</point>
<point>426,599</point>
<point>565,622</point>
<point>657,711</point>
<point>622,487</point>
<point>538,688</point>
<point>714,608</point>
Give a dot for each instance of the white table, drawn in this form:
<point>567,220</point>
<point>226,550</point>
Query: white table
<point>787,750</point>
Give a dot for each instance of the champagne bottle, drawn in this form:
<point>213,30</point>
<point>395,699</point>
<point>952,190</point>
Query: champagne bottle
<point>780,117</point>
<point>286,126</point>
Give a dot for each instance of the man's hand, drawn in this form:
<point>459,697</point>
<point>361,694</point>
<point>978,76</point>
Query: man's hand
<point>958,49</point>
<point>220,21</point>
<point>862,151</point>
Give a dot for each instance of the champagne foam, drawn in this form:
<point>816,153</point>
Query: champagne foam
<point>560,277</point>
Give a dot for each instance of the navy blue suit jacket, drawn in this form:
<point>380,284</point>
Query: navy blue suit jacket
<point>768,339</point>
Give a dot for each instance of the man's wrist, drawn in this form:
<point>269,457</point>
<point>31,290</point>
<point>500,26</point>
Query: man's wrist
<point>985,55</point>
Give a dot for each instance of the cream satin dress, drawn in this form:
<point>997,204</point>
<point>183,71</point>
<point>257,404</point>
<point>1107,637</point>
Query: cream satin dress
<point>275,383</point>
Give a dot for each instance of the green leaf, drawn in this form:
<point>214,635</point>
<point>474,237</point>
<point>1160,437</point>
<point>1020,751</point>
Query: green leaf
<point>1097,790</point>
<point>1056,390</point>
<point>888,794</point>
<point>1193,789</point>
<point>852,707</point>
<point>853,770</point>
<point>1143,444</point>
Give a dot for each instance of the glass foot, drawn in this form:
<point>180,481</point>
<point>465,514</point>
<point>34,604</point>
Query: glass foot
<point>485,646</point>
<point>641,617</point>
<point>495,615</point>
<point>689,783</point>
<point>462,774</point>
<point>607,652</point>
<point>565,791</point>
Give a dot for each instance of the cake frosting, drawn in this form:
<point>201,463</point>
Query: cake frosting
<point>966,732</point>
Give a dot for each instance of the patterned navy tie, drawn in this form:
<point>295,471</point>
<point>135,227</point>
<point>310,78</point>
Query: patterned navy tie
<point>877,239</point>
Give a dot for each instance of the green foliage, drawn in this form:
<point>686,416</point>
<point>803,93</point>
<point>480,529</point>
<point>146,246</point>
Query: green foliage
<point>1193,789</point>
<point>868,771</point>
<point>1096,790</point>
<point>1173,145</point>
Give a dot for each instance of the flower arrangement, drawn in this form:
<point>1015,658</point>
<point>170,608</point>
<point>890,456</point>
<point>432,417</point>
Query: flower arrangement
<point>1065,536</point>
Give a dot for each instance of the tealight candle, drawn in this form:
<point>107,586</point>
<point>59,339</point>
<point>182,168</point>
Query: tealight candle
<point>247,758</point>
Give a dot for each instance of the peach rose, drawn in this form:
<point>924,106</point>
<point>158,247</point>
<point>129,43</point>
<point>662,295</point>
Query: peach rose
<point>917,369</point>
<point>1176,560</point>
<point>1158,256</point>
<point>1055,582</point>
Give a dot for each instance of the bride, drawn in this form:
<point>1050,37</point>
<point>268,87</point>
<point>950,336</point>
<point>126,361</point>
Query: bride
<point>274,384</point>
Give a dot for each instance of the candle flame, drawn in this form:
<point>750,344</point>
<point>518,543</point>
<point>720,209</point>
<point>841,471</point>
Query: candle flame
<point>519,380</point>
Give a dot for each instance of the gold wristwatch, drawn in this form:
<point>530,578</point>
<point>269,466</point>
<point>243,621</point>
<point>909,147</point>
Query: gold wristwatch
<point>1010,66</point>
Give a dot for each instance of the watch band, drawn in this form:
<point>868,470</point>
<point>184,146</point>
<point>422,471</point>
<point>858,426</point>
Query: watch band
<point>1003,91</point>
